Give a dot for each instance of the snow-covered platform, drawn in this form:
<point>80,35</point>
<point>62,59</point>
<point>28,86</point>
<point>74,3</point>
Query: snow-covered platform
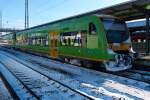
<point>145,58</point>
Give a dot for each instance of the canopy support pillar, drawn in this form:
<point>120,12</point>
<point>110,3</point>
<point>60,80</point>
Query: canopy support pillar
<point>147,34</point>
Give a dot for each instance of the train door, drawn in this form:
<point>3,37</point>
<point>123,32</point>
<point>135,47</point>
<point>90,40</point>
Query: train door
<point>92,38</point>
<point>54,44</point>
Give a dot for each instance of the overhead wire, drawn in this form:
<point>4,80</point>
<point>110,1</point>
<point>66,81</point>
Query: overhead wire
<point>42,12</point>
<point>50,7</point>
<point>41,4</point>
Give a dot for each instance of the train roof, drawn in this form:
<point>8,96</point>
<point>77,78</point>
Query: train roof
<point>69,18</point>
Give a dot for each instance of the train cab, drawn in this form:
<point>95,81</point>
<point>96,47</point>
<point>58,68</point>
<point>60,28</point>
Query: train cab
<point>119,44</point>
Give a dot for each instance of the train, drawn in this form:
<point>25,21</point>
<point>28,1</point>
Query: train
<point>103,40</point>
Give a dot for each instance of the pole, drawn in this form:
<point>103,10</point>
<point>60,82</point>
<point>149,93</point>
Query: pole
<point>147,34</point>
<point>0,21</point>
<point>26,15</point>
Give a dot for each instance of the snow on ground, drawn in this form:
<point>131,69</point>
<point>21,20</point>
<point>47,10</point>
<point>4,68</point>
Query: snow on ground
<point>43,87</point>
<point>4,94</point>
<point>16,85</point>
<point>97,84</point>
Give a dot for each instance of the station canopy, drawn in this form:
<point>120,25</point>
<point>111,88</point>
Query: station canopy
<point>134,9</point>
<point>137,26</point>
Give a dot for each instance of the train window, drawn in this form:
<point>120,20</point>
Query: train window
<point>66,39</point>
<point>38,40</point>
<point>21,40</point>
<point>33,41</point>
<point>77,39</point>
<point>84,38</point>
<point>44,41</point>
<point>61,39</point>
<point>116,30</point>
<point>92,29</point>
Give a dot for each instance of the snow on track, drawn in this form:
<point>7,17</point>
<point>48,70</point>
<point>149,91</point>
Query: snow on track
<point>18,88</point>
<point>4,94</point>
<point>141,72</point>
<point>41,86</point>
<point>135,75</point>
<point>97,84</point>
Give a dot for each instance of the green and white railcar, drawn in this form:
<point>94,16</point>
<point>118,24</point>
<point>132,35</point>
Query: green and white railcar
<point>95,38</point>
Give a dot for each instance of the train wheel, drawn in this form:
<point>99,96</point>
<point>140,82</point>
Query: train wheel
<point>83,63</point>
<point>102,66</point>
<point>86,64</point>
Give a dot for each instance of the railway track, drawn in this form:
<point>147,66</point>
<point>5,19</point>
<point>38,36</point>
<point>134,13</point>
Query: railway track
<point>139,75</point>
<point>43,66</point>
<point>16,89</point>
<point>38,87</point>
<point>4,90</point>
<point>142,76</point>
<point>141,72</point>
<point>22,79</point>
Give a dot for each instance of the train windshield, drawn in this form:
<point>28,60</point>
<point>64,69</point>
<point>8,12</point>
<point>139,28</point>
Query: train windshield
<point>116,30</point>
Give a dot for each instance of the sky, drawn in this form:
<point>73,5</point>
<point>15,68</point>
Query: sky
<point>43,11</point>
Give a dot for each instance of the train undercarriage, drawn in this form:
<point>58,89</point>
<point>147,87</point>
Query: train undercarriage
<point>120,63</point>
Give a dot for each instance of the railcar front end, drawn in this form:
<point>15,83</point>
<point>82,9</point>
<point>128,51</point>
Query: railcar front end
<point>119,45</point>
